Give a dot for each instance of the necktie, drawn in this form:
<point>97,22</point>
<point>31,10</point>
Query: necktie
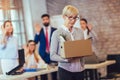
<point>47,41</point>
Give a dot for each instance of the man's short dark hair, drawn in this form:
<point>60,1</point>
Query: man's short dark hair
<point>45,15</point>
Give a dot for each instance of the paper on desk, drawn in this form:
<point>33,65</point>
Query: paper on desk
<point>42,65</point>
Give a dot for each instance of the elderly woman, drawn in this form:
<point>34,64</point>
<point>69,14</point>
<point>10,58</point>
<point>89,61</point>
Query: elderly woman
<point>72,68</point>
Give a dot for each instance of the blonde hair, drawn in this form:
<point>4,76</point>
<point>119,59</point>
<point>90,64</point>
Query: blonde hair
<point>36,55</point>
<point>70,10</point>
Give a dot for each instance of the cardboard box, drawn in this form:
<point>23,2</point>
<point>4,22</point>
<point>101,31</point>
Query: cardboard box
<point>76,48</point>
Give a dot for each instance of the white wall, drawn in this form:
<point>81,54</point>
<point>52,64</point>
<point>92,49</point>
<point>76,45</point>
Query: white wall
<point>57,21</point>
<point>38,7</point>
<point>33,9</point>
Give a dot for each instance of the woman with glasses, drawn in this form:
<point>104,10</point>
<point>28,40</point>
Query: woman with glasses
<point>72,68</point>
<point>8,48</point>
<point>32,58</point>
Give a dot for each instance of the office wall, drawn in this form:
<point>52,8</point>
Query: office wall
<point>104,15</point>
<point>33,9</point>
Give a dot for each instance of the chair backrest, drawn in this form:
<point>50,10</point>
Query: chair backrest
<point>91,59</point>
<point>0,68</point>
<point>115,67</point>
<point>21,56</point>
<point>21,62</point>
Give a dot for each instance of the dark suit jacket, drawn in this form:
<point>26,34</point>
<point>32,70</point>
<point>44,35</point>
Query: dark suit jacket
<point>42,47</point>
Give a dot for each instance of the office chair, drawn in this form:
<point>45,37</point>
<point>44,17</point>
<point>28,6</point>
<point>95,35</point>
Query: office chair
<point>89,74</point>
<point>21,63</point>
<point>113,71</point>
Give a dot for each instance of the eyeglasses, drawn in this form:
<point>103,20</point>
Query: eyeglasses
<point>32,44</point>
<point>72,18</point>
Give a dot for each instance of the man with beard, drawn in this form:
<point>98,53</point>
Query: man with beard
<point>43,36</point>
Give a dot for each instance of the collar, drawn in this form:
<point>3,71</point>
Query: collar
<point>66,29</point>
<point>47,27</point>
<point>85,30</point>
<point>9,37</point>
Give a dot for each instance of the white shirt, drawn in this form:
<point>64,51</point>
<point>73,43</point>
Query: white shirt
<point>30,61</point>
<point>86,36</point>
<point>10,50</point>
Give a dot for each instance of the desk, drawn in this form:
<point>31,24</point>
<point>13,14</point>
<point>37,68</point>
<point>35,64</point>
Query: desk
<point>28,74</point>
<point>99,65</point>
<point>93,67</point>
